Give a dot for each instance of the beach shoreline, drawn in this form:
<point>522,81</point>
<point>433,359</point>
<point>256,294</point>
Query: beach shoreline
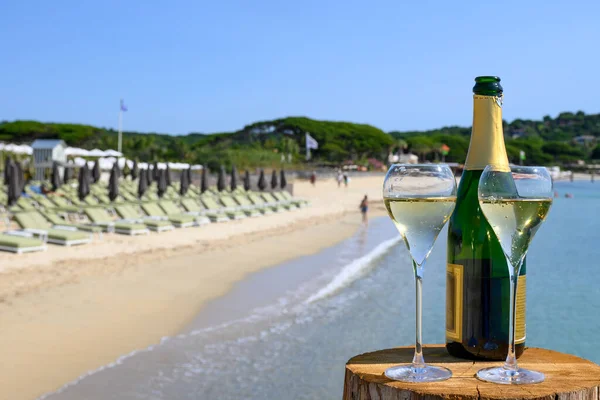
<point>63,317</point>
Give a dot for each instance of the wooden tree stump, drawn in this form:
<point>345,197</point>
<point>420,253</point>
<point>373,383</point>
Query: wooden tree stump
<point>567,377</point>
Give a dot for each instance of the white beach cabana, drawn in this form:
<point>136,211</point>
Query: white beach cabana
<point>112,153</point>
<point>76,151</point>
<point>96,153</point>
<point>17,148</point>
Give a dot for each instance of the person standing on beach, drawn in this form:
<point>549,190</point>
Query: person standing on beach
<point>313,178</point>
<point>364,207</point>
<point>340,177</point>
<point>346,179</point>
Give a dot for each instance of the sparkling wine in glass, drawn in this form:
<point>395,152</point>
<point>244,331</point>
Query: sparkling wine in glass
<point>515,202</point>
<point>420,199</point>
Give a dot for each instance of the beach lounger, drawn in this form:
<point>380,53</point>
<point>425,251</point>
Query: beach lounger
<point>192,207</point>
<point>171,209</point>
<point>128,196</point>
<point>26,204</point>
<point>180,221</point>
<point>289,200</point>
<point>20,242</point>
<point>299,202</point>
<point>63,204</point>
<point>103,198</point>
<point>34,222</point>
<point>245,202</point>
<point>270,199</point>
<point>45,203</point>
<point>211,204</point>
<point>57,220</point>
<point>100,217</point>
<point>129,213</point>
<point>258,200</point>
<point>231,204</point>
<point>90,201</point>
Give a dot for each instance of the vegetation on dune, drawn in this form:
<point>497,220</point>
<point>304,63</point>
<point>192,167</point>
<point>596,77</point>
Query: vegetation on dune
<point>565,139</point>
<point>562,140</point>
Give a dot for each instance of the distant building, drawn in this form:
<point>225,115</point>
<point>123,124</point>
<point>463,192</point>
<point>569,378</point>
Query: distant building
<point>584,139</point>
<point>45,152</point>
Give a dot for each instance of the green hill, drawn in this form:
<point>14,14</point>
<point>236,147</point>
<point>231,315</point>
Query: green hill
<point>258,144</point>
<point>564,139</point>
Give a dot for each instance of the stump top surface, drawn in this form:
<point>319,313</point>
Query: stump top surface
<point>567,377</point>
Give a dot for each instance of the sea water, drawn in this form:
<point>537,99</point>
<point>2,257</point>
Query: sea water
<point>286,332</point>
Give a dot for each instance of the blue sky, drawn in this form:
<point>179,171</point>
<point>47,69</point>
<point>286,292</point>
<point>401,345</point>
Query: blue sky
<point>212,66</point>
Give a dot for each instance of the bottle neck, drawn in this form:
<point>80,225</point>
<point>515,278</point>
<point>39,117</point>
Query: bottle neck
<point>487,138</point>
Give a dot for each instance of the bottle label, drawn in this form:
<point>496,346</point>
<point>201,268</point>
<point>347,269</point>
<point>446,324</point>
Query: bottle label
<point>487,137</point>
<point>454,301</point>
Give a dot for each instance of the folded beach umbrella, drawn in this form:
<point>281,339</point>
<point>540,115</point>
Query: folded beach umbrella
<point>7,165</point>
<point>20,178</point>
<point>55,178</point>
<point>184,182</point>
<point>203,183</point>
<point>189,175</point>
<point>274,180</point>
<point>149,176</point>
<point>282,180</point>
<point>262,183</point>
<point>162,182</point>
<point>113,183</point>
<point>143,183</point>
<point>68,174</point>
<point>247,181</point>
<point>96,171</point>
<point>155,174</point>
<point>168,175</point>
<point>84,182</point>
<point>233,182</point>
<point>134,171</point>
<point>14,191</point>
<point>221,179</point>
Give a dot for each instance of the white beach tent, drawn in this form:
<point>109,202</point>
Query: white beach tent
<point>96,153</point>
<point>18,149</point>
<point>112,153</point>
<point>76,151</point>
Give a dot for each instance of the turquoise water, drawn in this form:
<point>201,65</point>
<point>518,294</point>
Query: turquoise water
<point>287,332</point>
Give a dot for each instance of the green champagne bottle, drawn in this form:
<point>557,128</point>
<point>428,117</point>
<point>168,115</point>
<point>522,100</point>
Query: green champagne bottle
<point>477,280</point>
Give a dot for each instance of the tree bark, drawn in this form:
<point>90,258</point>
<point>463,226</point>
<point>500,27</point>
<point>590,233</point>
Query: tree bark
<point>567,377</point>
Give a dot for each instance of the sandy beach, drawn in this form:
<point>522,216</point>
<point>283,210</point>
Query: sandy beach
<point>71,310</point>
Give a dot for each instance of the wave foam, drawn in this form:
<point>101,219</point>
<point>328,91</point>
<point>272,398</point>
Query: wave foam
<point>353,271</point>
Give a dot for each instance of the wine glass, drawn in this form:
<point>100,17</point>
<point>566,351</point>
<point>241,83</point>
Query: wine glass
<point>419,199</point>
<point>515,201</point>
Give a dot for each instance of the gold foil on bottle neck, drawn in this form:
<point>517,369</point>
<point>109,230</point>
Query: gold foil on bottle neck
<point>487,138</point>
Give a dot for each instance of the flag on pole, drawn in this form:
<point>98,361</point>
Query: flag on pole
<point>123,106</point>
<point>311,143</point>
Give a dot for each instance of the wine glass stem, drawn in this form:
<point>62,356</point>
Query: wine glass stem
<point>511,359</point>
<point>418,361</point>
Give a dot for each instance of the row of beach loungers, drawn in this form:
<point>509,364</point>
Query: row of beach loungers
<point>63,219</point>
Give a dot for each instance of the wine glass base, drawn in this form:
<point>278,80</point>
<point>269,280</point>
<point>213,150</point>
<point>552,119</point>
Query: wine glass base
<point>510,377</point>
<point>409,373</point>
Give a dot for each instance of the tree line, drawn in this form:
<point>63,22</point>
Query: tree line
<point>567,138</point>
